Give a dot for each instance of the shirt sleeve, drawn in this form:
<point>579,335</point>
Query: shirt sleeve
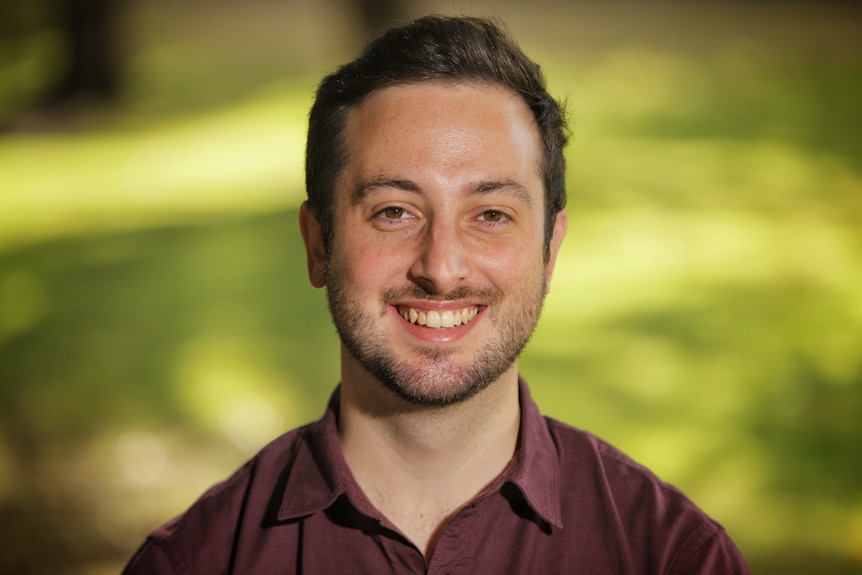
<point>150,559</point>
<point>718,555</point>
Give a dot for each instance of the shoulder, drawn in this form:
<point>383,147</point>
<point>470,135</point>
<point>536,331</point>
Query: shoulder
<point>202,536</point>
<point>648,519</point>
<point>584,458</point>
<point>259,477</point>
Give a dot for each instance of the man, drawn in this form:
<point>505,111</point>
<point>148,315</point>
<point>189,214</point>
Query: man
<point>435,180</point>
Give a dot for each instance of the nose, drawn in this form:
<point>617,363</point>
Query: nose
<point>441,263</point>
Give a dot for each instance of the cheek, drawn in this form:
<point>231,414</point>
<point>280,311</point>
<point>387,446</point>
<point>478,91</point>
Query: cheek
<point>368,264</point>
<point>509,259</point>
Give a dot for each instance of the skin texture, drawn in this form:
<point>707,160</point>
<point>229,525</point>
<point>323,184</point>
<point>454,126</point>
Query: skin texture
<point>439,208</point>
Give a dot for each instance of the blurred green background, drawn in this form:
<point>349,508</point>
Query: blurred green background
<point>157,327</point>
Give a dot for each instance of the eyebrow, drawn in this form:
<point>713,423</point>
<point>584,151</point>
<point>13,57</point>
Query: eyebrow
<point>508,187</point>
<point>367,188</point>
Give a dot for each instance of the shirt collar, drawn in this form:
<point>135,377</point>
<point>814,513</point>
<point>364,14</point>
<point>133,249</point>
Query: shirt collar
<point>319,475</point>
<point>536,466</point>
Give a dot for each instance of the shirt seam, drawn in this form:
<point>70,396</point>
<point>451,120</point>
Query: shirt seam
<point>683,560</point>
<point>174,556</point>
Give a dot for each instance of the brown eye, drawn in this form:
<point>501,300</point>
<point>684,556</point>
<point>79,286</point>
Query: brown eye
<point>393,213</point>
<point>492,216</point>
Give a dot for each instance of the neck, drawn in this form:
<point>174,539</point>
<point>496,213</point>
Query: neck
<point>419,465</point>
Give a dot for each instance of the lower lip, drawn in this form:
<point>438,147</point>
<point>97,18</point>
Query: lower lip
<point>438,335</point>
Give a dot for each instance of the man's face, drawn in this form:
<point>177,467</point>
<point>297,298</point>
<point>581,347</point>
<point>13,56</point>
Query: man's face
<point>436,276</point>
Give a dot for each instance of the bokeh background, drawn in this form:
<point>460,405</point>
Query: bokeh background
<point>157,328</point>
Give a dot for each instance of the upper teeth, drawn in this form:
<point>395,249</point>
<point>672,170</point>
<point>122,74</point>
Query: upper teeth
<point>439,319</point>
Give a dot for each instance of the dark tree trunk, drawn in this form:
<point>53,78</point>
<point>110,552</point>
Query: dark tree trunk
<point>93,71</point>
<point>377,15</point>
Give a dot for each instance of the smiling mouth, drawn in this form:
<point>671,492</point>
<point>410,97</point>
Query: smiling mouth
<point>439,319</point>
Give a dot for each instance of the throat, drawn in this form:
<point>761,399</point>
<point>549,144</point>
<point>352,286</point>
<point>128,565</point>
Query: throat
<point>419,466</point>
<point>421,526</point>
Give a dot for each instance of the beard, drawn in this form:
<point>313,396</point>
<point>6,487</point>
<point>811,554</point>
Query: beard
<point>433,376</point>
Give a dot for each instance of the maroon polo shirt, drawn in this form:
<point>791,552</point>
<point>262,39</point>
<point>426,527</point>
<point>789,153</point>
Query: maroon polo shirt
<point>568,503</point>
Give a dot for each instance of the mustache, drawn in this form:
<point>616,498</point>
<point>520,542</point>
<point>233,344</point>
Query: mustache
<point>417,292</point>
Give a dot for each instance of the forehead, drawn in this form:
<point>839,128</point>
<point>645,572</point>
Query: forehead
<point>443,129</point>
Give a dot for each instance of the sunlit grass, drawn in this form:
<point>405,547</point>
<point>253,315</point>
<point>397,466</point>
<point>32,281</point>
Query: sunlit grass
<point>244,158</point>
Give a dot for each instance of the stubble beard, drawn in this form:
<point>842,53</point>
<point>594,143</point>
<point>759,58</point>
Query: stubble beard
<point>432,376</point>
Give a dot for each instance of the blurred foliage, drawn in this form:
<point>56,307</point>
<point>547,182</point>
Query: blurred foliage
<point>157,327</point>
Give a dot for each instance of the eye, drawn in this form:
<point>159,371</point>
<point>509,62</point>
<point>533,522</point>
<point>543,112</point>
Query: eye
<point>392,214</point>
<point>492,216</point>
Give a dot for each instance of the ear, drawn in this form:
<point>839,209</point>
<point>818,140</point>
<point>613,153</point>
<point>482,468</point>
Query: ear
<point>312,235</point>
<point>561,225</point>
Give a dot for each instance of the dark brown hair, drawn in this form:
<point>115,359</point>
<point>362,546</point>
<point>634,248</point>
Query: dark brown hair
<point>431,48</point>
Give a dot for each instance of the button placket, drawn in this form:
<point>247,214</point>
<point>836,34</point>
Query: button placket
<point>455,546</point>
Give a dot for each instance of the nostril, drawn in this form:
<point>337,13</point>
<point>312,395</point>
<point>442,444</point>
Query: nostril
<point>443,262</point>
